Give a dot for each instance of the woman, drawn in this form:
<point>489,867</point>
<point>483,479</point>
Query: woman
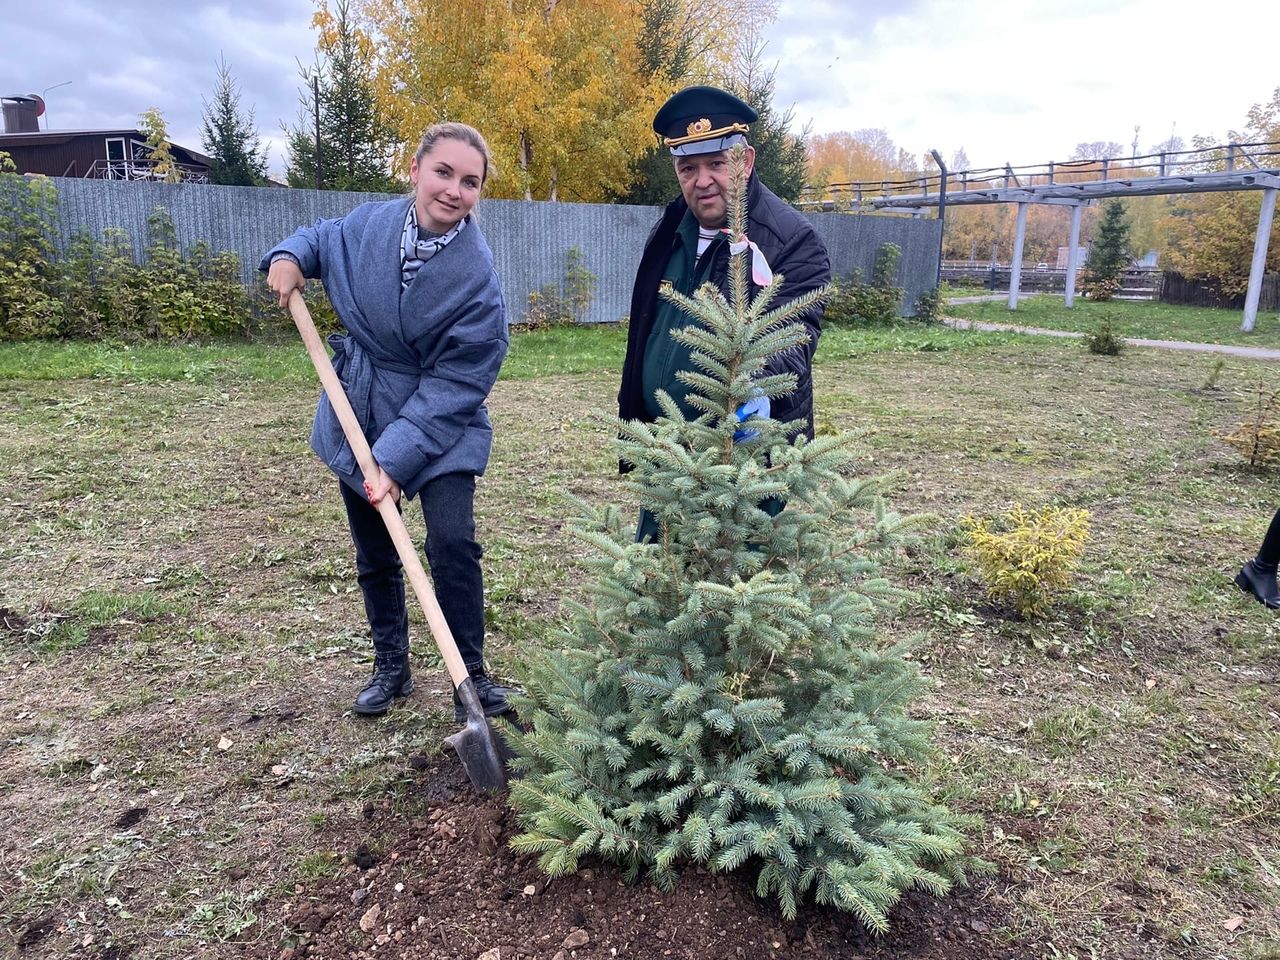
<point>1258,576</point>
<point>414,284</point>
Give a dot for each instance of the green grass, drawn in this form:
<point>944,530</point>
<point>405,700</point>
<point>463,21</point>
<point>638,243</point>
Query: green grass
<point>175,562</point>
<point>541,353</point>
<point>1150,321</point>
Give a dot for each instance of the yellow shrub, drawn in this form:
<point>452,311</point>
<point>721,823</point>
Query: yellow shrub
<point>1258,437</point>
<point>1026,556</point>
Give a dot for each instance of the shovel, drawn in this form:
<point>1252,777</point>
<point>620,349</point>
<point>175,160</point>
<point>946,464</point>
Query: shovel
<point>476,744</point>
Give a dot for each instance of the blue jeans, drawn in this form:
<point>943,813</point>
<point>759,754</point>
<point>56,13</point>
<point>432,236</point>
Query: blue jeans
<point>452,553</point>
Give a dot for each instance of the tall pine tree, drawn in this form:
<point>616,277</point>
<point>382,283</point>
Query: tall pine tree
<point>1108,254</point>
<point>721,699</point>
<point>229,136</point>
<point>669,50</point>
<point>779,152</point>
<point>356,143</point>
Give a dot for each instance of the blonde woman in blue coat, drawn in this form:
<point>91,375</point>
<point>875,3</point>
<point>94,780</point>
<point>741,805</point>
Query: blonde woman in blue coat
<point>426,331</point>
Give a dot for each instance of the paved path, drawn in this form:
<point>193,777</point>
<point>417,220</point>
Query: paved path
<point>1253,353</point>
<point>983,298</point>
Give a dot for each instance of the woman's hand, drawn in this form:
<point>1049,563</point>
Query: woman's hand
<point>283,278</point>
<point>382,487</point>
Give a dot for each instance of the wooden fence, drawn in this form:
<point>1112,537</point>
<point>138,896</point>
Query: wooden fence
<point>1205,293</point>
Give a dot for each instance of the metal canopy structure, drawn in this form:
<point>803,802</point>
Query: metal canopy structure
<point>1229,167</point>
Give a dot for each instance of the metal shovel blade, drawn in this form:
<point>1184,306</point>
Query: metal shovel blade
<point>477,744</point>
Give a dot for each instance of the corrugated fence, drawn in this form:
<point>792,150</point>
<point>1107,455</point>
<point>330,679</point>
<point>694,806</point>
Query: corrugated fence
<point>530,239</point>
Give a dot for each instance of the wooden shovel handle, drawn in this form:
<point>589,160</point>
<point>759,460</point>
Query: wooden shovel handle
<point>390,514</point>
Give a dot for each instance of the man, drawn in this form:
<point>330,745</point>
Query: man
<point>700,125</point>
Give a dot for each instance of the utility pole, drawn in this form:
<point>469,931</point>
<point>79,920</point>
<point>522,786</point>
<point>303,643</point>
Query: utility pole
<point>315,100</point>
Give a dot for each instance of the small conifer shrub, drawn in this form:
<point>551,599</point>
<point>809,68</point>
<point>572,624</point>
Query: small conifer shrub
<point>720,699</point>
<point>1258,436</point>
<point>1026,557</point>
<point>1108,254</point>
<point>1104,340</point>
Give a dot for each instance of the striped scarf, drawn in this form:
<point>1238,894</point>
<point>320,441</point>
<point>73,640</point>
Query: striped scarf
<point>415,250</point>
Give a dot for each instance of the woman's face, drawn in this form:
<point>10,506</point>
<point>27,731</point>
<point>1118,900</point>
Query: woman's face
<point>446,184</point>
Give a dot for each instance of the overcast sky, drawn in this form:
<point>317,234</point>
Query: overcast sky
<point>1021,81</point>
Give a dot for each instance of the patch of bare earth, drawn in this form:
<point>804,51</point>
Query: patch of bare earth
<point>180,639</point>
<point>443,885</point>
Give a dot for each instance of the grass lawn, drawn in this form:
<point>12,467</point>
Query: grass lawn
<point>1150,321</point>
<point>181,633</point>
<point>549,352</point>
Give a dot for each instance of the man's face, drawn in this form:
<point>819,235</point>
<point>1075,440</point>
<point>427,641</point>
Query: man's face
<point>704,181</point>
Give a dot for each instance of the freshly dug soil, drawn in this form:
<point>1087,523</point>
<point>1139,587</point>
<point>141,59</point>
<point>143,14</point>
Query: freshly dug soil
<point>446,885</point>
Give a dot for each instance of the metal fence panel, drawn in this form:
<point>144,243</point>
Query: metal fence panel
<point>530,239</point>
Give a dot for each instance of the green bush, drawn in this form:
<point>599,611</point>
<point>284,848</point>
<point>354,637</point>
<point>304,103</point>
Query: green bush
<point>854,303</point>
<point>563,302</point>
<point>1104,340</point>
<point>29,306</point>
<point>929,306</point>
<point>97,290</point>
<point>105,293</point>
<point>1099,288</point>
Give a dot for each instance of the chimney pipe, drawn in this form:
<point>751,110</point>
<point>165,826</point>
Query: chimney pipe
<point>21,113</point>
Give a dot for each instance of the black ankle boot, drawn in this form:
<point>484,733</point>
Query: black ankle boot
<point>492,696</point>
<point>1260,583</point>
<point>391,679</point>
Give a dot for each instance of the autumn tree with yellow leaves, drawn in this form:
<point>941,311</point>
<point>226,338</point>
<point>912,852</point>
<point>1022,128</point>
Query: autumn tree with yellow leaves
<point>556,87</point>
<point>1211,235</point>
<point>862,155</point>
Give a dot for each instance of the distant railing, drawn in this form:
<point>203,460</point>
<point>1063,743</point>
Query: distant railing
<point>145,170</point>
<point>1227,157</point>
<point>1136,283</point>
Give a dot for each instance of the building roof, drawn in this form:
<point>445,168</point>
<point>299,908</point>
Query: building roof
<point>33,137</point>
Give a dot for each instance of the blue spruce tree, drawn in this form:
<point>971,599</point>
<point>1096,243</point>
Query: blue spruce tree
<point>721,699</point>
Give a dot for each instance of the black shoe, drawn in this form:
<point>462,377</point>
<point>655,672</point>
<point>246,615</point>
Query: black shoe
<point>1259,583</point>
<point>391,679</point>
<point>492,696</point>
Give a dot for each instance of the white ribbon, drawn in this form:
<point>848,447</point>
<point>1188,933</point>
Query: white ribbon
<point>761,273</point>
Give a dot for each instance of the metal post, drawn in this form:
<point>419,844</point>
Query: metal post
<point>1258,267</point>
<point>942,211</point>
<point>1015,268</point>
<point>1071,255</point>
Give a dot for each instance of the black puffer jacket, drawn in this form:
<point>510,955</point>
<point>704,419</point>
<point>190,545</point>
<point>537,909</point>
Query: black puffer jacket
<point>793,250</point>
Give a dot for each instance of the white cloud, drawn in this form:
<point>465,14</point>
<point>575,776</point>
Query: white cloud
<point>1019,80</point>
<point>128,56</point>
<point>1008,80</point>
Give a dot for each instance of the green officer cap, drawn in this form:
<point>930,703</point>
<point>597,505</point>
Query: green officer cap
<point>703,120</point>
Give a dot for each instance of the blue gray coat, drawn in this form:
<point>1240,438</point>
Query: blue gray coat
<point>416,368</point>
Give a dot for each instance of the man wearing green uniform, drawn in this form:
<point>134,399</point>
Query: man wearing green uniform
<point>687,248</point>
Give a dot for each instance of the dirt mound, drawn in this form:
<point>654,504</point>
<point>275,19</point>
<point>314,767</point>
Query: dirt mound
<point>446,885</point>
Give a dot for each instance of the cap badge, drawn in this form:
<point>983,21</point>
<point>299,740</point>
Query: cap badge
<point>698,126</point>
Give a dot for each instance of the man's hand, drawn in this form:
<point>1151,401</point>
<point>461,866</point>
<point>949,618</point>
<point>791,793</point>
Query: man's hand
<point>757,406</point>
<point>283,278</point>
<point>382,487</point>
